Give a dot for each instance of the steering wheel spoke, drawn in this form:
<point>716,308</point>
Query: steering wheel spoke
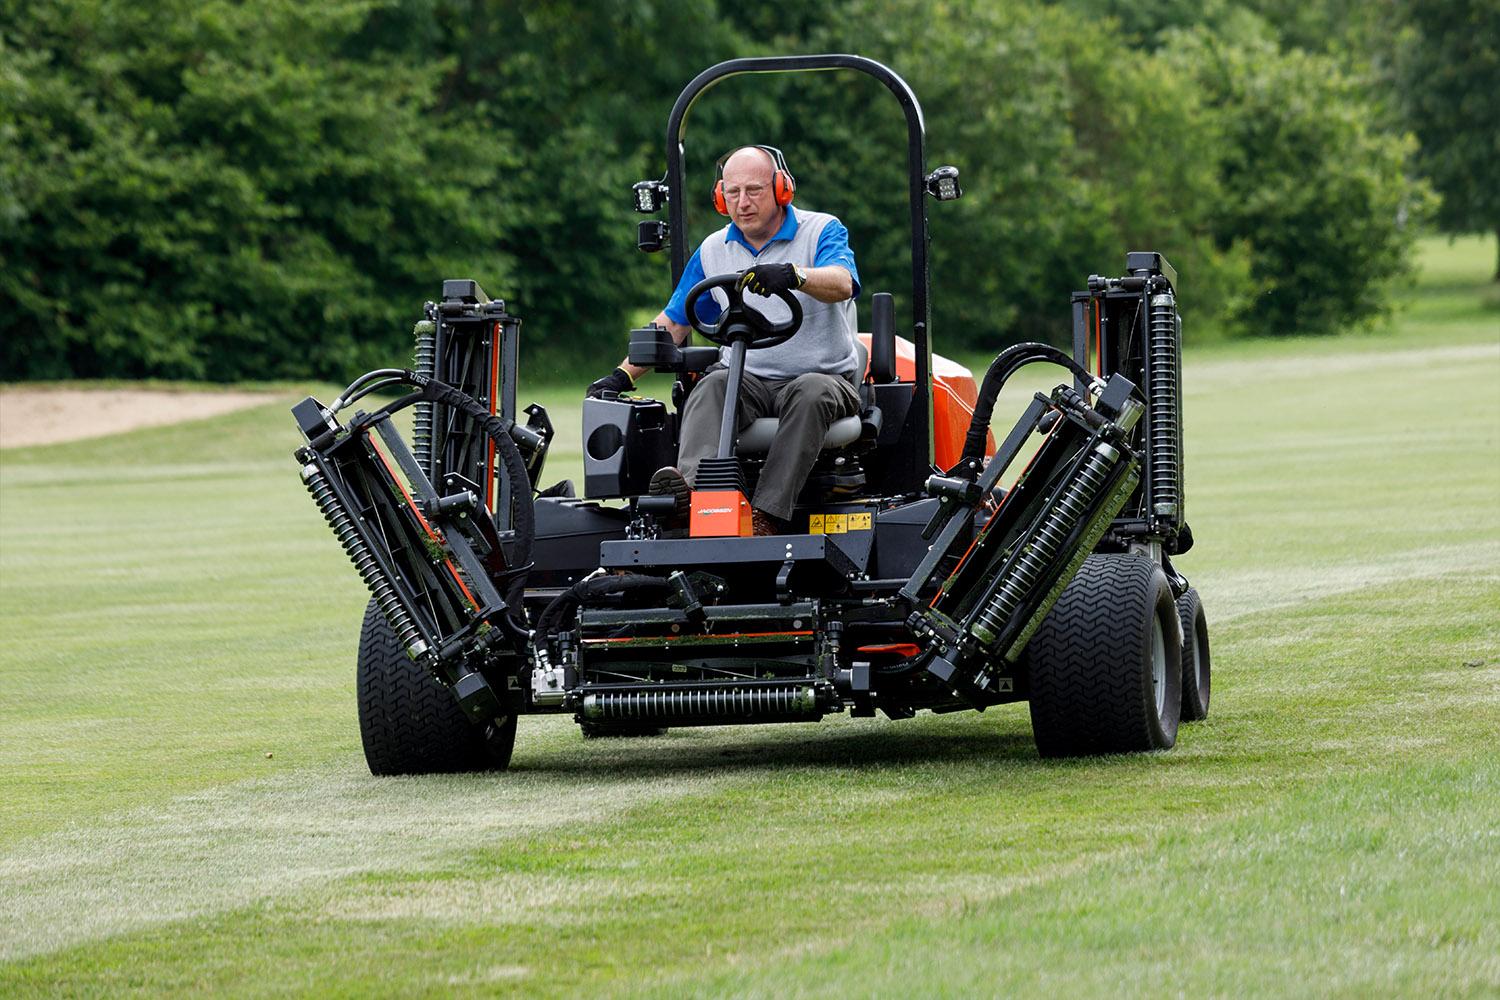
<point>740,321</point>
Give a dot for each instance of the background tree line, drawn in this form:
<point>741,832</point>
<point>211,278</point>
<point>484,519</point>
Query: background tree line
<point>216,190</point>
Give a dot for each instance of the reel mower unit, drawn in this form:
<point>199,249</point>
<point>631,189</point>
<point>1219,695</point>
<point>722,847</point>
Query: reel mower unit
<point>924,566</point>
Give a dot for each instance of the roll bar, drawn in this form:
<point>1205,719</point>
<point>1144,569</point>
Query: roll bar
<point>918,431</point>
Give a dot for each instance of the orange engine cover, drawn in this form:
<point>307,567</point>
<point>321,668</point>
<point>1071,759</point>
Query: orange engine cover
<point>720,513</point>
<point>954,394</point>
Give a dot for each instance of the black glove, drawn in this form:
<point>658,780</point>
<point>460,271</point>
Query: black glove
<point>767,279</point>
<point>617,381</point>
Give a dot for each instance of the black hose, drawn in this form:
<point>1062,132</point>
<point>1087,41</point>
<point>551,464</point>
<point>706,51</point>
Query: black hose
<point>1006,364</point>
<point>904,668</point>
<point>586,590</point>
<point>497,429</point>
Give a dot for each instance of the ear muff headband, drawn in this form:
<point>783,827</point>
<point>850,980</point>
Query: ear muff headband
<point>783,184</point>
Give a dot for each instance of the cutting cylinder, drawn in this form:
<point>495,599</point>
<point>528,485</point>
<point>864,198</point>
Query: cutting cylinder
<point>364,560</point>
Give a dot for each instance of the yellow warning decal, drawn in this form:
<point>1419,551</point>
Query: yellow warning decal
<point>837,524</point>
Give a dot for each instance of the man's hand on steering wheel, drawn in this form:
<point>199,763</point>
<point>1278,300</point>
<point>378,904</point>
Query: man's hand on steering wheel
<point>768,279</point>
<point>741,321</point>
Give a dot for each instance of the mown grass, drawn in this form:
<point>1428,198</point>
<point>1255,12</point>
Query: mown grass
<point>173,610</point>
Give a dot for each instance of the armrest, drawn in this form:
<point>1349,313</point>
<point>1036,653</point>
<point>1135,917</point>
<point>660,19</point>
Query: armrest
<point>653,347</point>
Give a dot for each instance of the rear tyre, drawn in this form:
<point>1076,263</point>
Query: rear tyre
<point>411,724</point>
<point>1105,664</point>
<point>608,730</point>
<point>1197,674</point>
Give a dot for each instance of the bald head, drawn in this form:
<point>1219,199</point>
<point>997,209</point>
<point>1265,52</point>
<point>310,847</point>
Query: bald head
<point>749,194</point>
<point>751,158</point>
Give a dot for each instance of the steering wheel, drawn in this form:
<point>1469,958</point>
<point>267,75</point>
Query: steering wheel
<point>740,320</point>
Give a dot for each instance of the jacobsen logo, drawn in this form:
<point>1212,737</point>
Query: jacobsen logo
<point>713,510</point>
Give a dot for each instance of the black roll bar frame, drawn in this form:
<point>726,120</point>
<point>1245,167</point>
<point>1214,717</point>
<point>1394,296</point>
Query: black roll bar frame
<point>919,418</point>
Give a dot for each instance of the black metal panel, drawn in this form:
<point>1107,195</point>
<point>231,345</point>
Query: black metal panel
<point>899,545</point>
<point>624,442</point>
<point>568,535</point>
<point>682,552</point>
<point>750,563</point>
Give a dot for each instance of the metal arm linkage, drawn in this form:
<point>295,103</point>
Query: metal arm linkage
<point>990,603</point>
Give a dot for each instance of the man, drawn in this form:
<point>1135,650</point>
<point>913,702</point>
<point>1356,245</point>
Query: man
<point>809,381</point>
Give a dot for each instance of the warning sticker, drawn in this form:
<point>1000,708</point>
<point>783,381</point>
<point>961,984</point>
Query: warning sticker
<point>837,524</point>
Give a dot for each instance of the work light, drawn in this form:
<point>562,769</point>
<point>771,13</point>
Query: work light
<point>649,196</point>
<point>942,184</point>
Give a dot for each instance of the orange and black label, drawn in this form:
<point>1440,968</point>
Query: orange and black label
<point>719,514</point>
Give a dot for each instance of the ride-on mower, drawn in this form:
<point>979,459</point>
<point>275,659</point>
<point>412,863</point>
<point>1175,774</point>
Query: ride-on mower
<point>917,573</point>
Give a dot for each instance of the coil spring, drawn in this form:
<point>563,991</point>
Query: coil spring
<point>701,703</point>
<point>1042,549</point>
<point>363,559</point>
<point>1165,426</point>
<point>424,363</point>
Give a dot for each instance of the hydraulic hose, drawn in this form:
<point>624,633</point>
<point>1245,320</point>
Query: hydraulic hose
<point>906,667</point>
<point>497,429</point>
<point>586,590</point>
<point>1006,364</point>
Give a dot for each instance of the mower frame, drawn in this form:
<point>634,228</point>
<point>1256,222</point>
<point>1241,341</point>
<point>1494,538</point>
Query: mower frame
<point>934,588</point>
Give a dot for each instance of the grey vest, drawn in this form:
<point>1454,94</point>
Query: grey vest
<point>825,341</point>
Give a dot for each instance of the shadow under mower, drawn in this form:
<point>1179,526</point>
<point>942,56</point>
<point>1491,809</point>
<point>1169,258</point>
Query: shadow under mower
<point>910,578</point>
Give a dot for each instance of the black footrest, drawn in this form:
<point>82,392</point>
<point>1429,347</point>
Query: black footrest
<point>719,474</point>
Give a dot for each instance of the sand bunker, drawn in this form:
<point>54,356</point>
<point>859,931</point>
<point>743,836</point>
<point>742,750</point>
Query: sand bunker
<point>48,415</point>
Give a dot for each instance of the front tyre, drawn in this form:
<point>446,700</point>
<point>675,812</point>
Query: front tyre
<point>1105,666</point>
<point>411,724</point>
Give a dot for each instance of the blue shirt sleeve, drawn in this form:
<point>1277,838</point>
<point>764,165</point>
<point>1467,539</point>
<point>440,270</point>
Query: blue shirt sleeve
<point>833,248</point>
<point>707,308</point>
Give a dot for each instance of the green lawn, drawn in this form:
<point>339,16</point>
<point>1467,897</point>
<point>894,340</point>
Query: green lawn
<point>174,611</point>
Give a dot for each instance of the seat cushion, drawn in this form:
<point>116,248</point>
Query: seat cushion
<point>756,439</point>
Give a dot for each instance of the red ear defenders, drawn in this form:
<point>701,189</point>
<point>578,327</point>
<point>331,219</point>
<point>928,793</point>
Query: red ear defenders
<point>783,184</point>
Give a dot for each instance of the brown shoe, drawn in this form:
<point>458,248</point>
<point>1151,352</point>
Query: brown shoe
<point>763,523</point>
<point>668,481</point>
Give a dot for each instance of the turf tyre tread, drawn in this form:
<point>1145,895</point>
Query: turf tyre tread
<point>1197,664</point>
<point>409,723</point>
<point>1091,662</point>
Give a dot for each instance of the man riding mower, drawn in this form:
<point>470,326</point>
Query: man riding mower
<point>915,567</point>
<point>808,380</point>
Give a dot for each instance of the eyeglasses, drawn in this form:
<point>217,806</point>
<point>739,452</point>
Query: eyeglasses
<point>751,191</point>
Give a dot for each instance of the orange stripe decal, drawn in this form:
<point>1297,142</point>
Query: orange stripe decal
<point>412,506</point>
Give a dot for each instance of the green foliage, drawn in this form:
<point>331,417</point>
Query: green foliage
<point>1319,196</point>
<point>1449,72</point>
<point>1052,189</point>
<point>219,191</point>
<point>210,190</point>
<point>576,97</point>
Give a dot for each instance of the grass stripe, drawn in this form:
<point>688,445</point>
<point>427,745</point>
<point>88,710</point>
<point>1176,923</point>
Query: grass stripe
<point>171,608</point>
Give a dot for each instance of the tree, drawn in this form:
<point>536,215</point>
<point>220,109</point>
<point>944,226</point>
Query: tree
<point>1318,194</point>
<point>214,191</point>
<point>1449,75</point>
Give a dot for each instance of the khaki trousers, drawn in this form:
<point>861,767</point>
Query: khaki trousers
<point>806,407</point>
